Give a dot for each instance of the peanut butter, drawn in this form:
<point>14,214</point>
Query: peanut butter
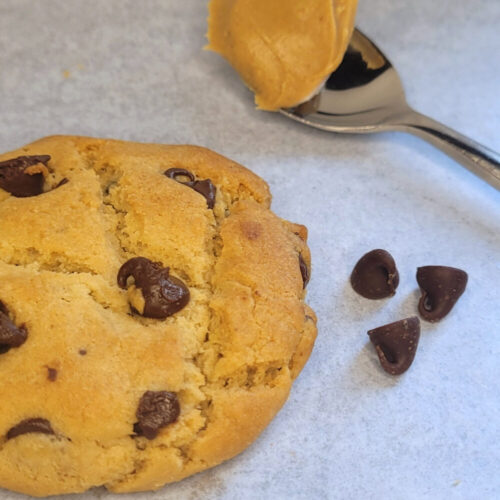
<point>282,49</point>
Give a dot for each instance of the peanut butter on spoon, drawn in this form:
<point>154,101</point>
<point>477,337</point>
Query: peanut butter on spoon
<point>283,49</point>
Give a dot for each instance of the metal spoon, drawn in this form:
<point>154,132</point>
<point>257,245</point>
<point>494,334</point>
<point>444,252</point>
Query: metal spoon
<point>365,95</point>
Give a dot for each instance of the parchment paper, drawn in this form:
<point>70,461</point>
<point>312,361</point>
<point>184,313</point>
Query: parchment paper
<point>135,70</point>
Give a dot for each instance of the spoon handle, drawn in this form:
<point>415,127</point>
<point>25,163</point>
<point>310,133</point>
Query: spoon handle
<point>479,159</point>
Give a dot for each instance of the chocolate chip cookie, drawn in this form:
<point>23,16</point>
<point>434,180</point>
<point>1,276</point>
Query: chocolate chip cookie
<point>152,315</point>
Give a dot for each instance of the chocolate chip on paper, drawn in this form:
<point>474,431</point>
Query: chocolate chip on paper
<point>396,344</point>
<point>375,275</point>
<point>441,287</point>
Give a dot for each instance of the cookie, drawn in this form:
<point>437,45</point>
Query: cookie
<point>152,314</point>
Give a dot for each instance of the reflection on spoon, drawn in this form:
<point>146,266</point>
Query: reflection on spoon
<point>365,95</point>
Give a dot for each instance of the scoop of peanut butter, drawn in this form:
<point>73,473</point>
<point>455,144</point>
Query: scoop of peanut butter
<point>282,49</point>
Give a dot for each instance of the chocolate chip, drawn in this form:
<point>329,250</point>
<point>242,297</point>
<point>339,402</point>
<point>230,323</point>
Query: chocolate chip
<point>441,287</point>
<point>176,174</point>
<point>82,352</point>
<point>163,294</point>
<point>61,182</point>
<point>204,187</point>
<point>51,374</point>
<point>10,334</point>
<point>396,344</point>
<point>304,271</point>
<point>156,410</point>
<point>375,275</point>
<point>18,180</point>
<point>29,425</point>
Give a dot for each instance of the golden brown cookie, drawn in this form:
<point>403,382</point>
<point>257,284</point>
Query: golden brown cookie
<point>152,315</point>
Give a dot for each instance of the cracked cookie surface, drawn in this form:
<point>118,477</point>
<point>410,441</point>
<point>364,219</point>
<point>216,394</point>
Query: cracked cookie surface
<point>97,392</point>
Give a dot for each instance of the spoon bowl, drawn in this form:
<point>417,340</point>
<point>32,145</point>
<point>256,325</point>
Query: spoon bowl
<point>365,94</point>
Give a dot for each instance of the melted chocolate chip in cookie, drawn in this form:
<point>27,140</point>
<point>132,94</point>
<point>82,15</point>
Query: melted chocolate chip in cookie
<point>156,409</point>
<point>204,187</point>
<point>10,334</point>
<point>375,275</point>
<point>40,425</point>
<point>51,374</point>
<point>20,176</point>
<point>441,287</point>
<point>62,182</point>
<point>304,271</point>
<point>163,294</point>
<point>396,344</point>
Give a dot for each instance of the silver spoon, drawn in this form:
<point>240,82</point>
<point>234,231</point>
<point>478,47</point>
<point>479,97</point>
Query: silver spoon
<point>365,95</point>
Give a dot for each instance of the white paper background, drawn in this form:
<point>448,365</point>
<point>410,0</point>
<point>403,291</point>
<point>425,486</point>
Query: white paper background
<point>348,431</point>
